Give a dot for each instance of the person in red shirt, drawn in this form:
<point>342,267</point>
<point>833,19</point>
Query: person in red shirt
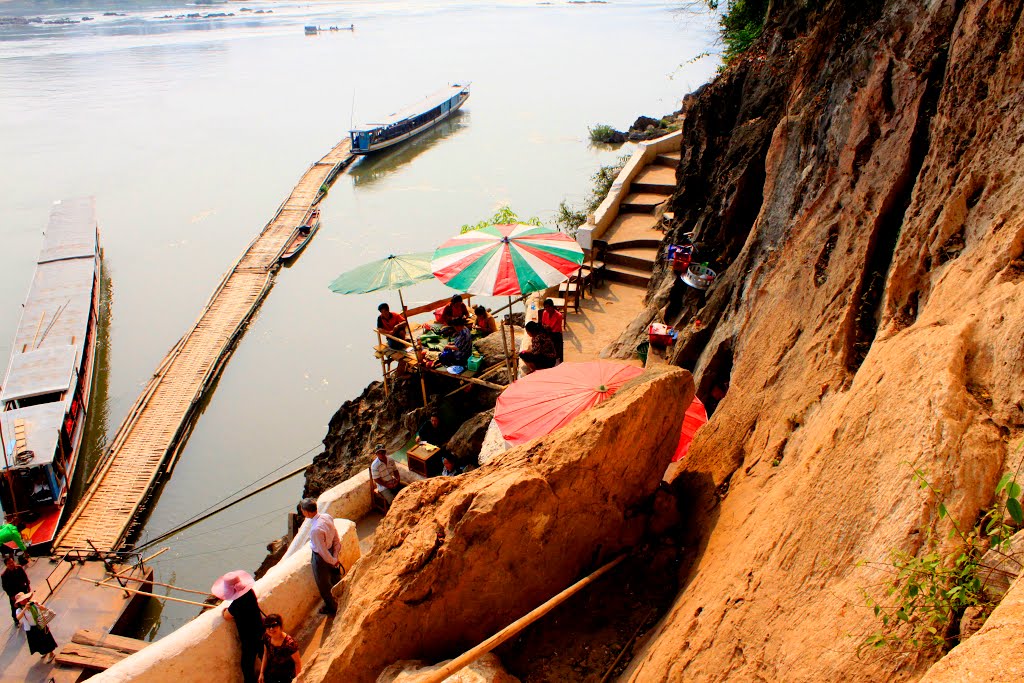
<point>392,324</point>
<point>552,321</point>
<point>454,310</point>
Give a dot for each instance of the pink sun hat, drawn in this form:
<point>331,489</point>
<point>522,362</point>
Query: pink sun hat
<point>233,584</point>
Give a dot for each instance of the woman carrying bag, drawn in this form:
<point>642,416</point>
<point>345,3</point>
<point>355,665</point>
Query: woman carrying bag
<point>34,619</point>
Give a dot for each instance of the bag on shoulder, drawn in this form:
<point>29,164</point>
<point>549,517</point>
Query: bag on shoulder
<point>46,615</point>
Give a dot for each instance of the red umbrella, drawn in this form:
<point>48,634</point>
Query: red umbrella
<point>545,400</point>
<point>695,418</point>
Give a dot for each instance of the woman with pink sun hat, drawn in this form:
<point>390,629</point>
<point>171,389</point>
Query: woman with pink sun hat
<point>244,610</point>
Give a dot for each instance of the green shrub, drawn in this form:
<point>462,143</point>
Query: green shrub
<point>740,24</point>
<point>503,216</point>
<point>602,133</point>
<point>931,590</point>
<point>569,218</point>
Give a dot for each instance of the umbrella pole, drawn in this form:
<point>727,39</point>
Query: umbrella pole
<point>504,345</point>
<point>415,347</point>
<point>512,325</point>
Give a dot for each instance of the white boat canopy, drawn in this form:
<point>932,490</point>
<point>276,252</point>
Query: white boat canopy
<point>42,371</point>
<point>42,428</point>
<point>426,104</point>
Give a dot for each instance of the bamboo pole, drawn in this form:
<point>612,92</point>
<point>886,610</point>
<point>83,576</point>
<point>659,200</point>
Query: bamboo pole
<point>415,347</point>
<point>156,583</point>
<point>514,628</point>
<point>152,595</point>
<point>142,562</point>
<point>504,346</point>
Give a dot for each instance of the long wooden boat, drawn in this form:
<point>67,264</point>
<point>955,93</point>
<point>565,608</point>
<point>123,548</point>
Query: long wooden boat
<point>410,121</point>
<point>302,235</point>
<point>44,400</point>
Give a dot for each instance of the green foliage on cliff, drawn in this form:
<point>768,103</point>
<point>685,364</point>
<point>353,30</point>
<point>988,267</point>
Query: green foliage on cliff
<point>931,589</point>
<point>569,218</point>
<point>740,24</point>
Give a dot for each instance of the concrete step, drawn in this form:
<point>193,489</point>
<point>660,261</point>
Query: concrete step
<point>655,179</point>
<point>641,202</point>
<point>630,227</point>
<point>668,159</point>
<point>631,276</point>
<point>641,258</point>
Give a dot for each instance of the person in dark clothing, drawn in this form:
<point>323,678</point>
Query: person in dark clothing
<point>432,432</point>
<point>542,353</point>
<point>244,610</point>
<point>15,581</point>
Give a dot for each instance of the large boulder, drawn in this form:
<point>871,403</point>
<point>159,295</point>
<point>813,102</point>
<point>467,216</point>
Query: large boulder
<point>492,349</point>
<point>457,559</point>
<point>466,442</point>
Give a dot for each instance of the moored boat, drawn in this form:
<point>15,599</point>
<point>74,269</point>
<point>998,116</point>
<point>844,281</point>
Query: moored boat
<point>409,121</point>
<point>300,238</point>
<point>44,400</point>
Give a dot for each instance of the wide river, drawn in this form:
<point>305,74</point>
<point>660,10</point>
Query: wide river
<point>190,132</point>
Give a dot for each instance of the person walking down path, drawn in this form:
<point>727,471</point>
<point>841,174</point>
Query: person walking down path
<point>326,547</point>
<point>34,619</point>
<point>15,581</point>
<point>244,610</point>
<point>281,661</point>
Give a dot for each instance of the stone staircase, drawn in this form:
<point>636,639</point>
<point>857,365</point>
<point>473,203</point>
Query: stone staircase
<point>631,242</point>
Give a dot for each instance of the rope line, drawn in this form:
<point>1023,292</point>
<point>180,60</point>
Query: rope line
<point>197,516</point>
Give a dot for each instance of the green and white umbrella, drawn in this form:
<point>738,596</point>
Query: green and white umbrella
<point>507,260</point>
<point>393,272</point>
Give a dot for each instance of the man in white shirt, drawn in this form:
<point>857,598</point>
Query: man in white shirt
<point>325,544</point>
<point>384,473</point>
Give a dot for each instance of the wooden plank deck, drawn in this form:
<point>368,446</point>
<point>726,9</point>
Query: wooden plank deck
<point>79,605</point>
<point>158,424</point>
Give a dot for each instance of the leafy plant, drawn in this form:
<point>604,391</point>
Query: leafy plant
<point>503,216</point>
<point>740,24</point>
<point>602,133</point>
<point>569,218</point>
<point>931,590</point>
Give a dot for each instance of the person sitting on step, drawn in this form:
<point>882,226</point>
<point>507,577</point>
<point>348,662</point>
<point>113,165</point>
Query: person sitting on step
<point>384,473</point>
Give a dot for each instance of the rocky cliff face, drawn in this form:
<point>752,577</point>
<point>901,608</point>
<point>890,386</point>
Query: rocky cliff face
<point>457,559</point>
<point>856,181</point>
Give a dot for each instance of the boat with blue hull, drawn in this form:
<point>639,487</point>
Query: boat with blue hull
<point>409,121</point>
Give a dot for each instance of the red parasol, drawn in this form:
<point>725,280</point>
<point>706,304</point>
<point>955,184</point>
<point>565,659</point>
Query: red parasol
<point>545,400</point>
<point>696,417</point>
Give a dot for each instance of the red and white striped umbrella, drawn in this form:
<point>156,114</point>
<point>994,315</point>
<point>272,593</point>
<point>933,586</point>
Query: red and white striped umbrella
<point>506,260</point>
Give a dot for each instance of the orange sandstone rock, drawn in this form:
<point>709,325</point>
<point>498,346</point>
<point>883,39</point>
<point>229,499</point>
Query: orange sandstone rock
<point>457,559</point>
<point>869,320</point>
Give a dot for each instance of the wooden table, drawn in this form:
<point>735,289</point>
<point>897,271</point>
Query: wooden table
<point>424,459</point>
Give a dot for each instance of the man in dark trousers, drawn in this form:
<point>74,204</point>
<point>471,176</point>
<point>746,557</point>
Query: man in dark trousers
<point>326,546</point>
<point>15,581</point>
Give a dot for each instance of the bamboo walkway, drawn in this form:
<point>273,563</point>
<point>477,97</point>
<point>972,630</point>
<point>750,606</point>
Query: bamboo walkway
<point>159,423</point>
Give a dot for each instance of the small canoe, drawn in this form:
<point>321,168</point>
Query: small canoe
<point>300,238</point>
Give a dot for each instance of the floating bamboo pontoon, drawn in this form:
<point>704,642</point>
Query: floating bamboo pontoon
<point>158,424</point>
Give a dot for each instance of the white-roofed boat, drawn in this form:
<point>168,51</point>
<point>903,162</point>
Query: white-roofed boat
<point>44,398</point>
<point>409,121</point>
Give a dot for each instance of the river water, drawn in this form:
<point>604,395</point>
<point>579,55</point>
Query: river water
<point>190,132</point>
